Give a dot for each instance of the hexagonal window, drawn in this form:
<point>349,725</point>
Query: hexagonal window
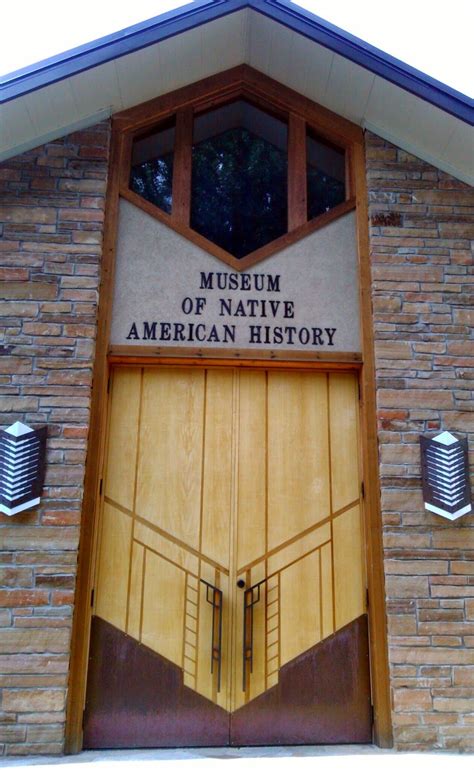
<point>239,177</point>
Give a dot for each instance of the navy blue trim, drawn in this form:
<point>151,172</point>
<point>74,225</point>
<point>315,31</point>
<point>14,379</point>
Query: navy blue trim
<point>200,12</point>
<point>113,46</point>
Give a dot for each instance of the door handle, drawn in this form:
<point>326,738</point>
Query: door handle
<point>250,599</point>
<point>214,598</point>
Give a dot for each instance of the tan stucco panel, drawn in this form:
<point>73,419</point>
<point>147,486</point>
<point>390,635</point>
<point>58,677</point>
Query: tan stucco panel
<point>305,297</point>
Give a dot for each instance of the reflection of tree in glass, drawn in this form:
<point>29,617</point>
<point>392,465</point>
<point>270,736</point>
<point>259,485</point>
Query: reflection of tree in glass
<point>153,181</point>
<point>324,192</point>
<point>239,191</point>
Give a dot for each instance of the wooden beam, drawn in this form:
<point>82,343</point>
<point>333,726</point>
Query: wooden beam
<point>142,355</point>
<point>370,463</point>
<point>297,186</point>
<point>183,148</point>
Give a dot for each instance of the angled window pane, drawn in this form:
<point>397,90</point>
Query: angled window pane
<point>152,167</point>
<point>325,174</point>
<point>239,177</point>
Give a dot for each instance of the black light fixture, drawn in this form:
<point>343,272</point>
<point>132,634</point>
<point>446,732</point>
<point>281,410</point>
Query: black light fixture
<point>445,475</point>
<point>22,467</point>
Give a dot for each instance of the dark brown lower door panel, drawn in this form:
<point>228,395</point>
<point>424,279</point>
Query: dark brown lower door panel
<point>137,699</point>
<point>322,696</point>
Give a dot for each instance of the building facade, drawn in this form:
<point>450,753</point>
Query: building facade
<point>197,442</point>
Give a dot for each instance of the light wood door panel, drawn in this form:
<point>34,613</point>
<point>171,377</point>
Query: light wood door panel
<point>327,597</point>
<point>135,603</point>
<point>343,400</point>
<point>231,475</point>
<point>162,543</point>
<point>163,608</point>
<point>218,466</point>
<point>298,547</point>
<point>349,592</point>
<point>114,560</point>
<point>169,480</point>
<point>298,461</point>
<point>252,467</point>
<point>123,438</point>
<point>300,607</point>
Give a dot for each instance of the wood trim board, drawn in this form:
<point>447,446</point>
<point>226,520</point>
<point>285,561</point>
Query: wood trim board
<point>370,475</point>
<point>300,231</point>
<point>297,193</point>
<point>138,354</point>
<point>225,86</point>
<point>182,167</point>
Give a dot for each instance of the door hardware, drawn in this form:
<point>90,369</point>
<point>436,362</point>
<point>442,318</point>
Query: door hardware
<point>214,598</point>
<point>247,648</point>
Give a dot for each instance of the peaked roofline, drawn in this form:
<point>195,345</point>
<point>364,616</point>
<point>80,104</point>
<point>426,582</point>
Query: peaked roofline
<point>138,36</point>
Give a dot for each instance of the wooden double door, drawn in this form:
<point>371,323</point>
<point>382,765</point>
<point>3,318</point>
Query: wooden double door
<point>229,603</point>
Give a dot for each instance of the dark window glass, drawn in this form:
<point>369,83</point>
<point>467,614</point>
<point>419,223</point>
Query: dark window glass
<point>326,176</point>
<point>152,167</point>
<point>239,177</point>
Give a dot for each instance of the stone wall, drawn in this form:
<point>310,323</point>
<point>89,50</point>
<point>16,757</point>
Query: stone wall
<point>422,226</point>
<point>51,222</point>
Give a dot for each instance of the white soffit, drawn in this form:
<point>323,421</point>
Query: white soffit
<point>241,37</point>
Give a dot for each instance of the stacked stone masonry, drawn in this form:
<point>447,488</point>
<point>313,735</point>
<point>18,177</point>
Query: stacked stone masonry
<point>51,223</point>
<point>421,240</point>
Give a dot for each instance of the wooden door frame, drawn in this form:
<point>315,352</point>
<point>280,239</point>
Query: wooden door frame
<point>106,357</point>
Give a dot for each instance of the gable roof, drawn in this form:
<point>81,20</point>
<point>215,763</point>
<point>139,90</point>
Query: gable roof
<point>354,79</point>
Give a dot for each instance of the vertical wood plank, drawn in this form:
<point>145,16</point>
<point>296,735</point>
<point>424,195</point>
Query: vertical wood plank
<point>370,462</point>
<point>169,480</point>
<point>349,174</point>
<point>182,163</point>
<point>122,441</point>
<point>251,467</point>
<point>297,186</point>
<point>115,555</point>
<point>326,591</point>
<point>135,592</point>
<point>299,607</point>
<point>257,682</point>
<point>218,467</point>
<point>126,164</point>
<point>349,584</point>
<point>344,439</point>
<point>163,608</point>
<point>204,678</point>
<point>226,585</point>
<point>298,462</point>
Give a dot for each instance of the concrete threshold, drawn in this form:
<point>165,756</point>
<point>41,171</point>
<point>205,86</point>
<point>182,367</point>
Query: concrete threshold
<point>261,758</point>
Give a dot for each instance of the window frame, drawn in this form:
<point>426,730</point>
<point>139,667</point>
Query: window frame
<point>301,116</point>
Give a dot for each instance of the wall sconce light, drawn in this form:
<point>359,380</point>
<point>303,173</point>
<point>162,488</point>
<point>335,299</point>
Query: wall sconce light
<point>22,467</point>
<point>445,475</point>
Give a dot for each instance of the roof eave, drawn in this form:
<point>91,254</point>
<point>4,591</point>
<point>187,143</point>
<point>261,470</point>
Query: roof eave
<point>203,11</point>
